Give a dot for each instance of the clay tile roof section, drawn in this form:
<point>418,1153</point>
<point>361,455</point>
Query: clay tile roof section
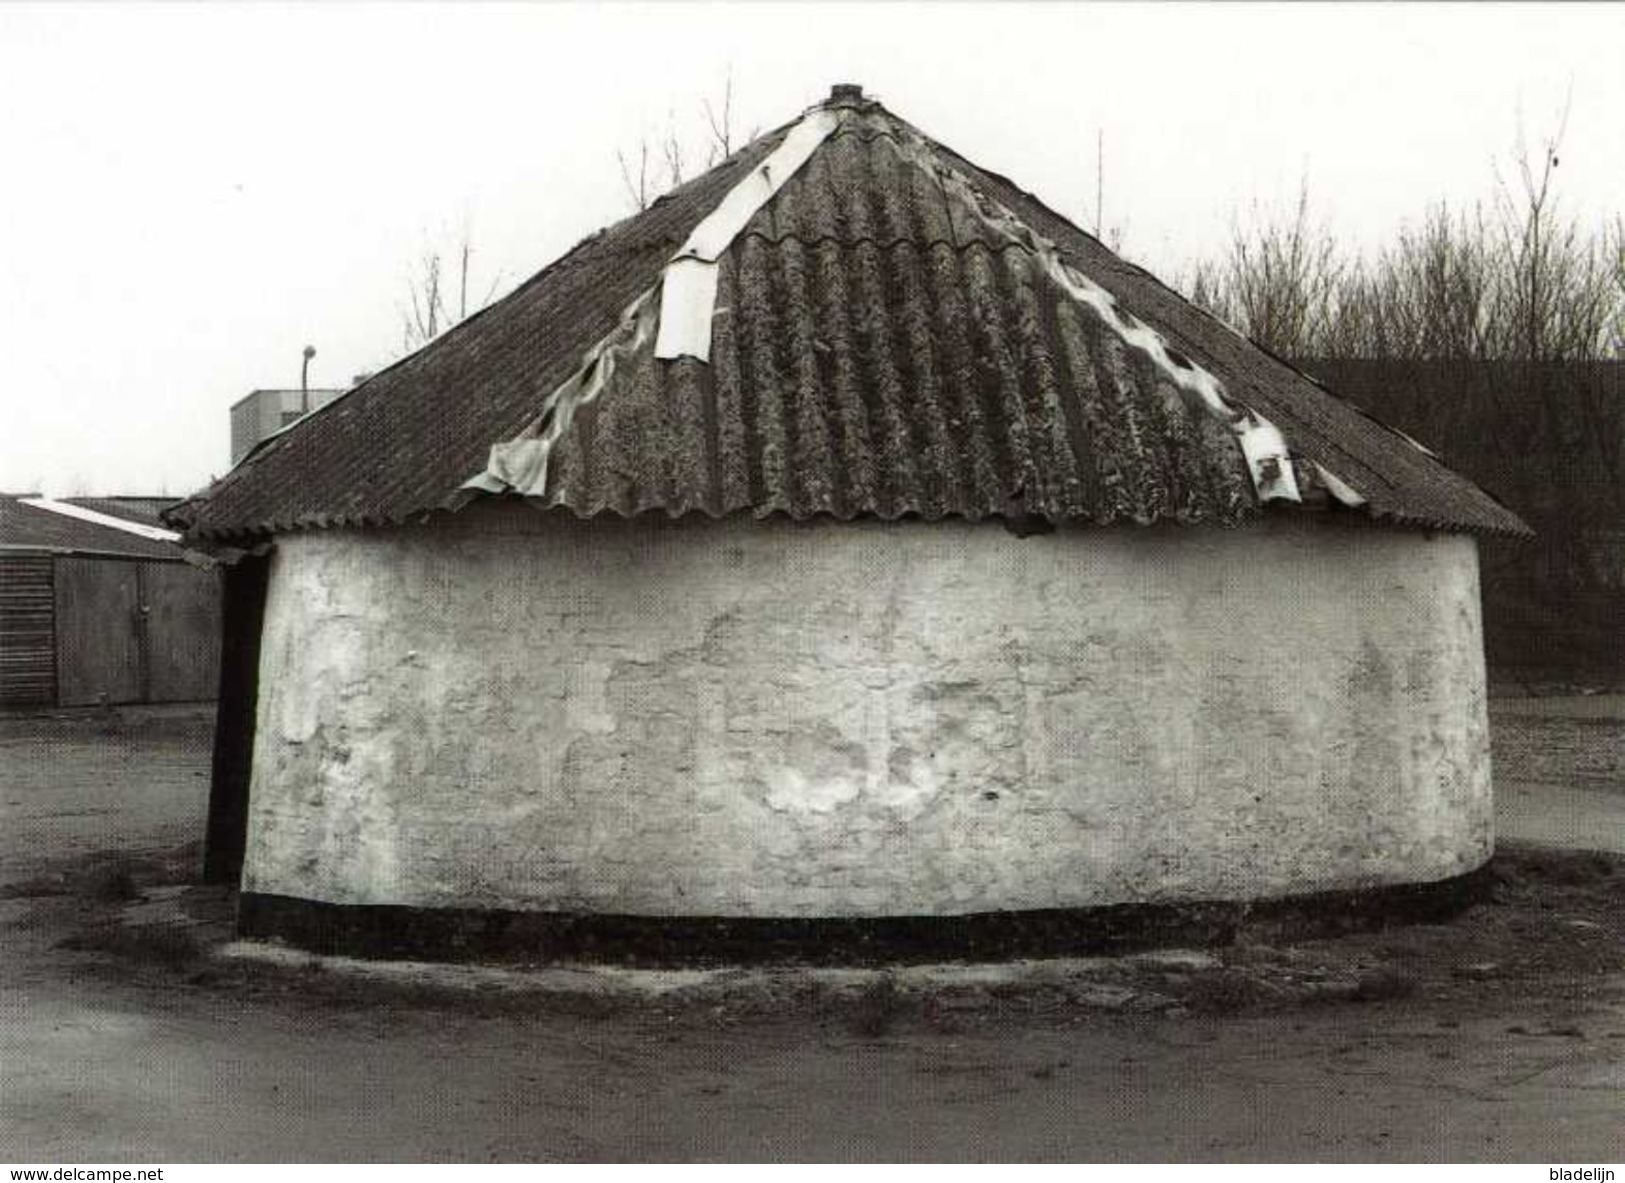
<point>895,332</point>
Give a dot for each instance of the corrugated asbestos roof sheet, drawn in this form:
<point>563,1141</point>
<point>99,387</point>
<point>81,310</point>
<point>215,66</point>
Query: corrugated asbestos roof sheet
<point>876,349</point>
<point>27,527</point>
<point>146,510</point>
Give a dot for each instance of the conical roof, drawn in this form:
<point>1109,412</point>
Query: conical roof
<point>848,319</point>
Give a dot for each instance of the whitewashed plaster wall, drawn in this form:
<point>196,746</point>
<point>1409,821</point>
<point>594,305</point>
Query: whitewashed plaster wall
<point>508,709</point>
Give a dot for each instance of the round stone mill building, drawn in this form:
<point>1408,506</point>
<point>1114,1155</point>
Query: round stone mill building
<point>847,543</point>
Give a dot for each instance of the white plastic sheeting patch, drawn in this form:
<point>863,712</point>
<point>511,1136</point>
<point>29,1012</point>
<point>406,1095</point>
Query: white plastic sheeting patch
<point>679,322</point>
<point>69,510</point>
<point>1340,489</point>
<point>1268,459</point>
<point>1262,443</point>
<point>1418,445</point>
<point>521,464</point>
<point>689,294</point>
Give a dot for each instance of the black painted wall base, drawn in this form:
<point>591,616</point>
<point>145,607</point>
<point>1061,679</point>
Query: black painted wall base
<point>454,934</point>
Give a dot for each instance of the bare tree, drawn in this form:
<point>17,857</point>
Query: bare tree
<point>437,291</point>
<point>1616,252</point>
<point>639,189</point>
<point>674,151</point>
<point>720,123</point>
<point>1518,282</point>
<point>1204,284</point>
<point>1439,283</point>
<point>1357,323</point>
<point>1278,281</point>
<point>1556,291</point>
<point>426,310</point>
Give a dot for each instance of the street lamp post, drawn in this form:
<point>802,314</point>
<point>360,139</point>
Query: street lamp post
<point>304,380</point>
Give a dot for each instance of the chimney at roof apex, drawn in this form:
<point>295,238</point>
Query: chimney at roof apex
<point>845,94</point>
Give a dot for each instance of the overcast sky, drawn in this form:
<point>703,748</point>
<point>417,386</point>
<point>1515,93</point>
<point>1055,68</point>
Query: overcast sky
<point>192,194</point>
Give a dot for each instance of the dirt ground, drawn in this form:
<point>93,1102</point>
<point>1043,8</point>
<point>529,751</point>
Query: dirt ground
<point>1560,770</point>
<point>132,1028</point>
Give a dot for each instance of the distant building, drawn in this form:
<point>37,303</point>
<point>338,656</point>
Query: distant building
<point>266,412</point>
<point>99,605</point>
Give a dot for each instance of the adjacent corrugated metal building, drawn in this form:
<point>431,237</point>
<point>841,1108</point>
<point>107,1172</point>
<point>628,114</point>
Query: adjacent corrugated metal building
<point>96,607</point>
<point>847,537</point>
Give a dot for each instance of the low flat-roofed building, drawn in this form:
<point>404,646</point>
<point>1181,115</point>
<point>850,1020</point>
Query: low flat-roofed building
<point>263,413</point>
